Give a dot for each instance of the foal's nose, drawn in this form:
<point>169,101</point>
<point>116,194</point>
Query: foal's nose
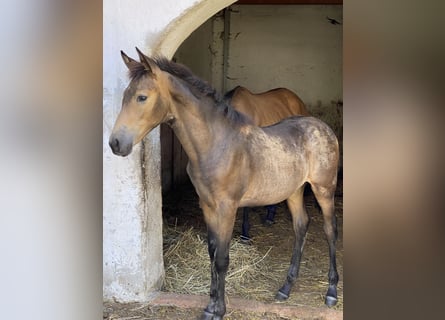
<point>114,144</point>
<point>121,144</point>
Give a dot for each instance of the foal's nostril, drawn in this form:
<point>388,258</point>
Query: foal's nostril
<point>114,144</point>
<point>121,145</point>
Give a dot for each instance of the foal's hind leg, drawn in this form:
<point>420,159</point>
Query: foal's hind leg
<point>300,222</point>
<point>270,216</point>
<point>325,198</point>
<point>245,238</point>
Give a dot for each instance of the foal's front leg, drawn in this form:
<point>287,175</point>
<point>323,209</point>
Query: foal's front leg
<point>220,221</point>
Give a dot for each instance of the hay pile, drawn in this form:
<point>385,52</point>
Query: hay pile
<point>187,264</point>
<point>258,270</point>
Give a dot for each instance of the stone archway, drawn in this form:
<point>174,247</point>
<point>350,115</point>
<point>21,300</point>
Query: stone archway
<point>178,30</point>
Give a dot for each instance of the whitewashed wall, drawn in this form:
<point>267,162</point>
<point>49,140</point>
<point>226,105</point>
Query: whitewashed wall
<point>292,46</point>
<point>132,217</point>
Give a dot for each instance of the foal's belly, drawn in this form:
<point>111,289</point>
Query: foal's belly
<point>272,186</point>
<point>276,168</point>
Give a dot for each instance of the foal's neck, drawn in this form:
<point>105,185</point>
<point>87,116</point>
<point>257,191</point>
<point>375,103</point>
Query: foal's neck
<point>198,124</point>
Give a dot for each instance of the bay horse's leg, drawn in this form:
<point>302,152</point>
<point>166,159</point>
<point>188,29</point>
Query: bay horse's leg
<point>246,226</point>
<point>325,199</point>
<point>220,222</point>
<point>300,221</point>
<point>271,210</point>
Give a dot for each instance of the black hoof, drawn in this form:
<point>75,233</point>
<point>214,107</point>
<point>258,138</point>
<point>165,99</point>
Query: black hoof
<point>245,240</point>
<point>330,301</point>
<point>268,223</point>
<point>280,296</point>
<point>206,316</point>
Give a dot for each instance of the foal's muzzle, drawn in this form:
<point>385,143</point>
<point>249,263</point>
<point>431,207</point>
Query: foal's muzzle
<point>121,144</point>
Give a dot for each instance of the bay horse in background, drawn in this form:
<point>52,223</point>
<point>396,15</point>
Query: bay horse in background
<point>232,162</point>
<point>264,109</point>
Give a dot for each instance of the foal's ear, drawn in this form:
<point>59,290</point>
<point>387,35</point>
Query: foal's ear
<point>129,62</point>
<point>149,64</point>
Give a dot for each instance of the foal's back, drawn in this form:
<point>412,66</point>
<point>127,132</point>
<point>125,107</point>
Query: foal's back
<point>269,107</point>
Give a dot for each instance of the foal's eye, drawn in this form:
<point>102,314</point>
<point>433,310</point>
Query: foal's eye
<point>141,98</point>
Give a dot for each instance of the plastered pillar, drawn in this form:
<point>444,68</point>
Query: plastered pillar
<point>132,204</point>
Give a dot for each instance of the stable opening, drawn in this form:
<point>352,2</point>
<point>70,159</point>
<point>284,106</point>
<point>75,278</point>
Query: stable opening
<point>262,47</point>
<point>259,47</point>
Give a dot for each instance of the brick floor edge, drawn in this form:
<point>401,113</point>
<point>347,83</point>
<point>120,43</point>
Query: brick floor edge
<point>199,301</point>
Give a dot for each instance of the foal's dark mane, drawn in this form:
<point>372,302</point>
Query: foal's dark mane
<point>229,94</point>
<point>202,87</point>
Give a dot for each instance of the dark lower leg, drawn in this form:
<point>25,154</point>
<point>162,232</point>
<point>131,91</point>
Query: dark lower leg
<point>300,223</point>
<point>219,258</point>
<point>271,210</point>
<point>330,228</point>
<point>292,274</point>
<point>210,309</point>
<point>220,222</point>
<point>325,198</point>
<point>246,226</point>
